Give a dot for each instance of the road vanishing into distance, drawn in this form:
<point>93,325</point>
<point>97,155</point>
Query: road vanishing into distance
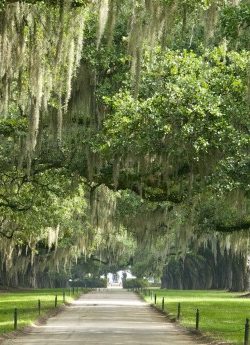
<point>107,317</point>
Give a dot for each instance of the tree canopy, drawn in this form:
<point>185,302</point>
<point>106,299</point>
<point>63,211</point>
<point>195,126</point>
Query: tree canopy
<point>124,136</point>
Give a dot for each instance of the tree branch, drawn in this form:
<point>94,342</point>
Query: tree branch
<point>234,227</point>
<point>75,3</point>
<point>99,260</point>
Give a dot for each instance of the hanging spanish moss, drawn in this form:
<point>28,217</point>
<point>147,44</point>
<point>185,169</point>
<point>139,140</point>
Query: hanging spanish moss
<point>103,19</point>
<point>34,43</point>
<point>115,93</point>
<point>211,18</point>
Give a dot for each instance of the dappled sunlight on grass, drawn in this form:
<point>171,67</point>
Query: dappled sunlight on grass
<point>222,314</point>
<point>27,304</point>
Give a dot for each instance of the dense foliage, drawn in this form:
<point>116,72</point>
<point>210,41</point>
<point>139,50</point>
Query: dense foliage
<point>124,137</point>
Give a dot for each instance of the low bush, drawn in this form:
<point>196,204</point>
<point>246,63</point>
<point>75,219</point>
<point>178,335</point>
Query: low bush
<point>90,283</point>
<point>135,283</point>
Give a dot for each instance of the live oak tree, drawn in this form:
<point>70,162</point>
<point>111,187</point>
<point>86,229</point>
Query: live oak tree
<point>123,123</point>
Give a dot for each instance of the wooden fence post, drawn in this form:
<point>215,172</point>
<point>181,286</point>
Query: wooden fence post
<point>39,307</point>
<point>163,304</point>
<point>15,319</point>
<point>179,311</point>
<point>246,338</point>
<point>197,320</point>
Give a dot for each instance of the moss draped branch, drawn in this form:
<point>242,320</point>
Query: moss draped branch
<point>74,3</point>
<point>233,227</point>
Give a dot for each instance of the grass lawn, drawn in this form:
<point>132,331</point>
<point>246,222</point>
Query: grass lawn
<point>27,304</point>
<point>222,314</point>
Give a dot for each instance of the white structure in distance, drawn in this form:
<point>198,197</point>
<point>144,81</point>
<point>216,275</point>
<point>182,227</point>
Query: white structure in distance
<point>115,279</point>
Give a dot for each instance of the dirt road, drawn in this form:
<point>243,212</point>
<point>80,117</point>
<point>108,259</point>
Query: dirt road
<point>108,317</point>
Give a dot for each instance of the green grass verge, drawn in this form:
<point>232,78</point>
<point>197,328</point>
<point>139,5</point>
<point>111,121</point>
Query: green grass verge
<point>222,314</point>
<point>26,303</point>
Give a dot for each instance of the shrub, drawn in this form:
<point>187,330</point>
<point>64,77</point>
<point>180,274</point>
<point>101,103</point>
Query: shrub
<point>135,283</point>
<point>90,283</point>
